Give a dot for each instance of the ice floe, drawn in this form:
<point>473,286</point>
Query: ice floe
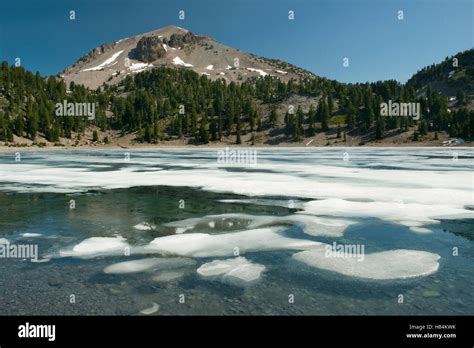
<point>238,268</point>
<point>226,244</point>
<point>149,264</point>
<point>31,235</point>
<point>312,225</point>
<point>384,265</point>
<point>144,226</point>
<point>153,309</point>
<point>97,246</point>
<point>408,214</point>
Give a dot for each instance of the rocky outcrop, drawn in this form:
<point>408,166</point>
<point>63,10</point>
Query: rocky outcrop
<point>95,53</point>
<point>149,49</point>
<point>180,40</point>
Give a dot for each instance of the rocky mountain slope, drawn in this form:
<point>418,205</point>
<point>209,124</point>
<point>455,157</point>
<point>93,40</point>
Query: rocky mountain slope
<point>178,47</point>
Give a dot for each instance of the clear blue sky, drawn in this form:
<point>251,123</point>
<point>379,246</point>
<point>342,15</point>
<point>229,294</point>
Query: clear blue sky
<point>368,32</point>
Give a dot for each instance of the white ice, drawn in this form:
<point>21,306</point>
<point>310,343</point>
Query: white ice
<point>31,235</point>
<point>97,246</point>
<point>153,309</point>
<point>431,189</point>
<point>234,268</point>
<point>315,226</point>
<point>392,264</point>
<point>225,244</point>
<point>149,264</point>
<point>144,227</point>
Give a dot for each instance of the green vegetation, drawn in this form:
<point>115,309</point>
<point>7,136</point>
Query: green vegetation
<point>166,103</point>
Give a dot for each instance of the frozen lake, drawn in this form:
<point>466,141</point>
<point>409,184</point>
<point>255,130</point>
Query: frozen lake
<point>284,231</point>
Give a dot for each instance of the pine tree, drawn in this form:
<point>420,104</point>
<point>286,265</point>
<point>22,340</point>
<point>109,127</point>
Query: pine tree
<point>461,97</point>
<point>273,116</point>
<point>203,131</point>
<point>156,132</point>
<point>378,128</point>
<point>324,117</point>
<point>19,126</point>
<point>147,136</point>
<point>239,140</point>
<point>213,129</point>
<point>330,104</point>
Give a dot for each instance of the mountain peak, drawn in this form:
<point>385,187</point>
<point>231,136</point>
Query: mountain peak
<point>173,46</point>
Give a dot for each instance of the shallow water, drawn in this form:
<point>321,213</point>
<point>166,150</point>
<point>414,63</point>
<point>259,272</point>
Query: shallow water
<point>415,199</point>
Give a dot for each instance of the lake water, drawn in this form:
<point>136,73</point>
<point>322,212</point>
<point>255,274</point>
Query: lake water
<point>179,231</point>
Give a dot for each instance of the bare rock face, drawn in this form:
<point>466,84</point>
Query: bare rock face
<point>149,49</point>
<point>95,53</point>
<point>180,40</point>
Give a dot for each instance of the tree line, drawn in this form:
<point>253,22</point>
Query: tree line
<point>168,103</point>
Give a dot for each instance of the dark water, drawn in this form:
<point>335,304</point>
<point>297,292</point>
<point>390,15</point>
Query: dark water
<point>45,288</point>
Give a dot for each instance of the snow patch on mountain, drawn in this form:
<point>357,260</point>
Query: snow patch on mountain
<point>260,71</point>
<point>179,61</point>
<point>139,67</point>
<point>106,62</point>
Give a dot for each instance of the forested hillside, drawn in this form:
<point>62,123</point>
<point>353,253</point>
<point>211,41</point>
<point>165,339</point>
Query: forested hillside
<point>176,103</point>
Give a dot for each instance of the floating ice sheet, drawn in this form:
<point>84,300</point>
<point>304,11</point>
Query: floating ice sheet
<point>315,226</point>
<point>144,227</point>
<point>226,244</point>
<point>235,268</point>
<point>149,264</point>
<point>408,214</point>
<point>97,246</point>
<point>391,264</point>
<point>153,309</point>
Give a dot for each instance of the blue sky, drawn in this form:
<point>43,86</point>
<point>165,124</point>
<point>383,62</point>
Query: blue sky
<point>378,45</point>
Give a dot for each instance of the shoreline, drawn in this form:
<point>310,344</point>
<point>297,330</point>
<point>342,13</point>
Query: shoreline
<point>468,145</point>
